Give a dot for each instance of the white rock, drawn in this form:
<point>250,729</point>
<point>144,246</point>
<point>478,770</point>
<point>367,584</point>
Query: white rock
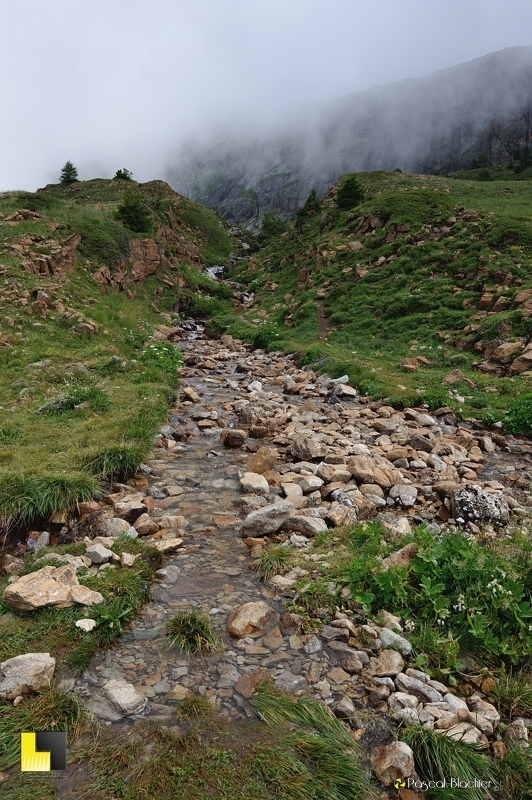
<point>125,698</point>
<point>86,624</point>
<point>26,673</point>
<point>255,483</point>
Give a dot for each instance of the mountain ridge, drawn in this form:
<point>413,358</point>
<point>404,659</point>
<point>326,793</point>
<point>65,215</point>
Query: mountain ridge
<point>484,105</point>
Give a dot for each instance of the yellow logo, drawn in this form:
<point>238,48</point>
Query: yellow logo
<point>43,751</point>
<point>399,783</point>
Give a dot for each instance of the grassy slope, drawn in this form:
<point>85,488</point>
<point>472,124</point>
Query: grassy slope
<point>120,385</point>
<point>350,314</point>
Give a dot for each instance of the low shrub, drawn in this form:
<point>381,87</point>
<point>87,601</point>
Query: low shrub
<point>103,240</point>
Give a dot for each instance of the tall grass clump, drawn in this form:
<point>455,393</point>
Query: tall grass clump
<point>48,711</point>
<point>436,756</point>
<point>321,740</point>
<point>118,461</point>
<point>27,498</point>
<point>512,694</point>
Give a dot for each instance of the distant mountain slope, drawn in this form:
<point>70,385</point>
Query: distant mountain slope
<point>433,124</point>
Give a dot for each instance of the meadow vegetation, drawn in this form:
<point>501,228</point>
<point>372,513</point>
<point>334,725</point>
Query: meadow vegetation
<point>84,383</point>
<point>348,297</point>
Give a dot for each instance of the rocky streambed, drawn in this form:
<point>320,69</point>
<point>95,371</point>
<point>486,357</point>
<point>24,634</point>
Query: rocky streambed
<point>257,448</point>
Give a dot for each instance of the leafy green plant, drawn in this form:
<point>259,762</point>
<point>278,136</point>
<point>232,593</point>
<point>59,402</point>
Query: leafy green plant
<point>437,756</point>
<point>191,632</point>
<point>267,337</point>
<point>274,560</point>
<point>111,617</point>
<point>458,585</point>
<point>518,418</point>
<point>165,357</point>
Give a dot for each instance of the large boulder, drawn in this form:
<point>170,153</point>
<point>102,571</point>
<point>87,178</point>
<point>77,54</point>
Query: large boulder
<point>308,526</point>
<point>472,504</point>
<point>49,586</point>
<point>24,674</point>
<point>262,461</point>
<point>267,519</point>
<point>305,448</point>
<point>374,469</point>
<point>392,761</point>
<point>253,482</point>
<point>250,619</point>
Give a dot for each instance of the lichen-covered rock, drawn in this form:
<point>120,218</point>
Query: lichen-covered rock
<point>472,504</point>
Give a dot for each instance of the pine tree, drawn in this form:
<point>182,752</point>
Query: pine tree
<point>123,175</point>
<point>69,173</point>
<point>350,193</point>
<point>133,213</point>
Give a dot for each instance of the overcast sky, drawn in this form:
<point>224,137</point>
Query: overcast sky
<point>119,83</point>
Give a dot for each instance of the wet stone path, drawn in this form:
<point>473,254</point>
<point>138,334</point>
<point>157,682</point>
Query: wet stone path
<point>333,453</point>
<point>200,481</point>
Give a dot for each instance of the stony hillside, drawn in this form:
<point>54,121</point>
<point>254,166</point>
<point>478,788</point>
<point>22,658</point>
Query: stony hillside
<point>86,305</point>
<point>422,292</point>
<point>433,124</point>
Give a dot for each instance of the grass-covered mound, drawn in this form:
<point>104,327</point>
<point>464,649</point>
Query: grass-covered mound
<point>85,374</point>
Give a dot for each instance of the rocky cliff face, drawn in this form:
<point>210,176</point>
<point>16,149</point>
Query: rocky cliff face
<point>433,124</point>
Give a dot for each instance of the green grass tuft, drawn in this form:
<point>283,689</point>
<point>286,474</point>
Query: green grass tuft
<point>325,742</point>
<point>113,462</point>
<point>194,706</point>
<point>275,559</point>
<point>512,694</point>
<point>50,710</point>
<point>191,632</point>
<point>27,498</point>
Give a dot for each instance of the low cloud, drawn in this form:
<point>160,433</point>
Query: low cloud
<point>122,84</point>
